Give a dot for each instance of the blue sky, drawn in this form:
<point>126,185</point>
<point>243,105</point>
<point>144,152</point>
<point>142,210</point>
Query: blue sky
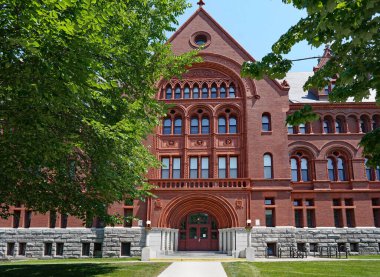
<point>257,24</point>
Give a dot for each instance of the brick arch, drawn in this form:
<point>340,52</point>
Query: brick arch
<point>303,145</point>
<point>217,206</point>
<point>343,146</point>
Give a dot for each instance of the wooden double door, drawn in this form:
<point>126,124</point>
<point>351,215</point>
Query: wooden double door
<point>198,232</point>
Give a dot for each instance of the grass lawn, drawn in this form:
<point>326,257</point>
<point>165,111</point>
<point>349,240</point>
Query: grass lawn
<point>365,257</point>
<point>276,269</point>
<point>38,268</point>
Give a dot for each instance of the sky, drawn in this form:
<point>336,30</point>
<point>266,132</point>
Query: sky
<point>257,24</point>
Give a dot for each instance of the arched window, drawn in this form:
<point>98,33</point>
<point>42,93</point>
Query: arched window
<point>222,129</point>
<point>195,92</point>
<point>364,124</point>
<point>337,168</point>
<point>168,93</point>
<point>232,93</point>
<point>223,91</point>
<point>338,126</point>
<point>167,126</point>
<point>373,174</point>
<point>194,129</point>
<point>294,169</point>
<point>177,93</point>
<point>326,126</point>
<point>268,170</point>
<point>205,91</point>
<point>265,123</point>
<point>290,129</point>
<point>299,168</point>
<point>186,92</point>
<point>178,126</point>
<point>302,128</point>
<point>214,91</point>
<point>232,125</point>
<point>205,125</point>
<point>375,121</point>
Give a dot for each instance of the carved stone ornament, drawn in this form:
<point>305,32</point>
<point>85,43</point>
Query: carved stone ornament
<point>228,141</point>
<point>239,204</point>
<point>158,204</point>
<point>171,142</point>
<point>285,83</point>
<point>199,142</point>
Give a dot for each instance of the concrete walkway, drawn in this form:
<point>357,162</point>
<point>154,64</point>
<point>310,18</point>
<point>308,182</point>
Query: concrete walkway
<point>194,269</point>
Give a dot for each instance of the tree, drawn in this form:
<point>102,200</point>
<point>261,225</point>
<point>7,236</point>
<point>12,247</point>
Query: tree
<point>351,28</point>
<point>77,86</point>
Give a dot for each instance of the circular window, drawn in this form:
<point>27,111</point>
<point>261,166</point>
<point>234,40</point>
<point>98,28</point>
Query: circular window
<point>200,111</point>
<point>200,39</point>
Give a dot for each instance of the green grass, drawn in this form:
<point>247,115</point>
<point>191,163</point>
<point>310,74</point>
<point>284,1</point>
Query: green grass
<point>277,269</point>
<point>125,269</point>
<point>364,257</point>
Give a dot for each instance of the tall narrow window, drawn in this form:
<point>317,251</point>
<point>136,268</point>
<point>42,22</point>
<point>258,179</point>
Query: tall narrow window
<point>265,123</point>
<point>269,217</point>
<point>194,129</point>
<point>165,168</point>
<point>290,129</point>
<point>326,126</point>
<point>16,219</point>
<point>304,170</point>
<point>232,93</point>
<point>214,91</point>
<point>168,94</point>
<point>205,125</point>
<point>28,219</point>
<point>177,93</point>
<point>195,92</point>
<point>338,126</point>
<point>222,167</point>
<point>294,169</point>
<point>176,168</point>
<point>178,126</point>
<point>167,126</point>
<point>302,128</point>
<point>223,91</point>
<point>186,92</point>
<point>232,125</point>
<point>330,168</point>
<point>193,168</point>
<point>205,91</point>
<point>341,170</point>
<point>268,171</point>
<point>368,171</point>
<point>204,167</point>
<point>222,125</point>
<point>233,167</point>
<point>52,219</point>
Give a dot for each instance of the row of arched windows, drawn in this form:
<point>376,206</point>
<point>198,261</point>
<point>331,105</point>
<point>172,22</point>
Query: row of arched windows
<point>227,124</point>
<point>200,92</point>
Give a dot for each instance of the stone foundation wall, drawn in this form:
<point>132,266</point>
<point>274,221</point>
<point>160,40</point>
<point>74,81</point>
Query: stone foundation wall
<point>110,239</point>
<point>367,240</point>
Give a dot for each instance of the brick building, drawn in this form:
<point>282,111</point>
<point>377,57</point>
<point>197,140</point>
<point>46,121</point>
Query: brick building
<point>234,175</point>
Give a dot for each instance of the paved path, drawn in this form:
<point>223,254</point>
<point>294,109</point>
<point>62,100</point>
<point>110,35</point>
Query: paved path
<point>194,269</point>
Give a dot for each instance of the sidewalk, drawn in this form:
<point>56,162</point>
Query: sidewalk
<point>194,269</point>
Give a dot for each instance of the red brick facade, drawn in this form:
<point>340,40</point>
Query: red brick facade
<point>221,126</point>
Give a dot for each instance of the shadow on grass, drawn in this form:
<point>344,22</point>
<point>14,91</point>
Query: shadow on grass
<point>58,270</point>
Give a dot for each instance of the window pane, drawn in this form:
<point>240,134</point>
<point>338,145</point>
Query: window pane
<point>205,125</point>
<point>176,168</point>
<point>222,92</point>
<point>178,126</point>
<point>290,129</point>
<point>222,167</point>
<point>233,167</point>
<point>213,92</point>
<point>233,125</point>
<point>267,166</point>
<point>338,126</point>
<point>265,123</point>
<point>177,94</point>
<point>232,91</point>
<point>222,125</point>
<point>302,129</point>
<point>165,168</point>
<point>195,92</point>
<point>304,170</point>
<point>267,160</point>
<point>204,167</point>
<point>193,168</point>
<point>186,93</point>
<point>341,170</point>
<point>168,94</point>
<point>326,127</point>
<point>167,126</point>
<point>330,167</point>
<point>294,169</point>
<point>194,126</point>
<point>204,92</point>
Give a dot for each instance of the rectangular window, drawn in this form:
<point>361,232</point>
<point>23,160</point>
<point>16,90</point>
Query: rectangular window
<point>204,167</point>
<point>165,168</point>
<point>298,218</point>
<point>193,168</point>
<point>376,217</point>
<point>354,247</point>
<point>271,249</point>
<point>27,219</point>
<point>222,167</point>
<point>52,219</point>
<point>86,249</point>
<point>98,250</point>
<point>269,201</point>
<point>310,217</point>
<point>59,249</point>
<point>64,220</point>
<point>348,202</point>
<point>48,248</point>
<point>10,248</point>
<point>125,249</point>
<point>301,246</point>
<point>128,217</point>
<point>21,249</point>
<point>350,217</point>
<point>269,217</point>
<point>16,219</point>
<point>313,247</point>
<point>290,129</point>
<point>375,201</point>
<point>309,202</point>
<point>176,168</point>
<point>233,167</point>
<point>297,202</point>
<point>338,222</point>
<point>336,202</point>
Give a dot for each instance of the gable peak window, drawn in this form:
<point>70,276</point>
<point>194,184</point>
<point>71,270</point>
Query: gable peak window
<point>223,91</point>
<point>186,92</point>
<point>177,92</point>
<point>232,92</point>
<point>214,91</point>
<point>168,93</point>
<point>205,91</point>
<point>195,92</point>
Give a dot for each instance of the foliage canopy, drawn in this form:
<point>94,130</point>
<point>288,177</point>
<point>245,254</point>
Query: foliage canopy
<point>77,86</point>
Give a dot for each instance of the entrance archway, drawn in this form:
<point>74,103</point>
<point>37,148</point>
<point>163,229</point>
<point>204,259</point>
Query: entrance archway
<point>198,232</point>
